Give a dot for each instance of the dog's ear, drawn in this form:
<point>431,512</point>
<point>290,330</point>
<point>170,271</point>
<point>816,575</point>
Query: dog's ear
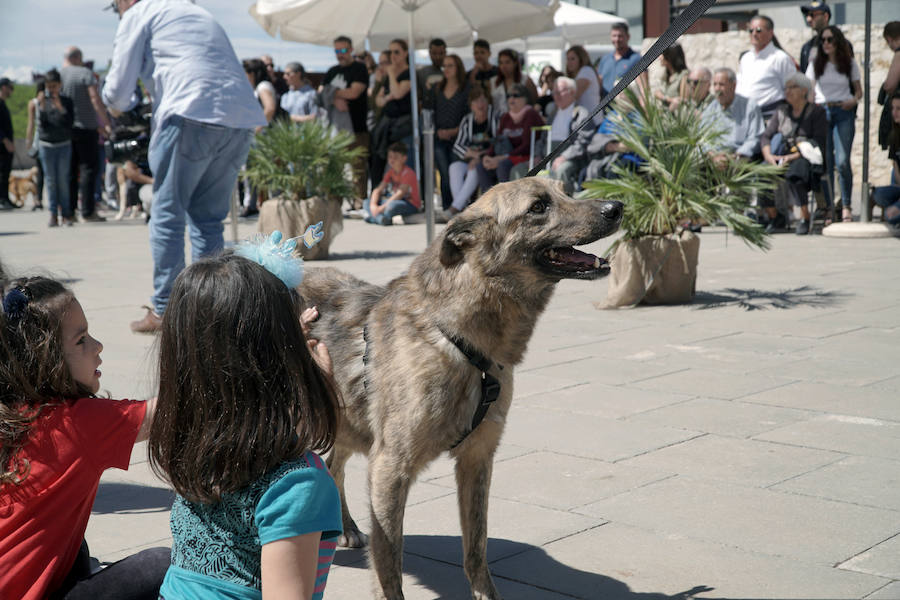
<point>460,234</point>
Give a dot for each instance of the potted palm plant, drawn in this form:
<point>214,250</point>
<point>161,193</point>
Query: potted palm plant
<point>675,182</point>
<point>304,171</point>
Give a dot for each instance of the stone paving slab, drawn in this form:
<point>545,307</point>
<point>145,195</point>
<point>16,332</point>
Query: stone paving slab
<point>856,480</point>
<point>621,562</point>
<point>608,401</point>
<point>743,462</point>
<point>723,417</point>
<point>715,384</point>
<point>832,398</point>
<point>757,520</point>
<point>879,560</point>
<point>852,435</point>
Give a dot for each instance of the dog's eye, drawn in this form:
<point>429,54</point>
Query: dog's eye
<point>540,206</point>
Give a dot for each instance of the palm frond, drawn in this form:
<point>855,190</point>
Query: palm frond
<point>678,179</point>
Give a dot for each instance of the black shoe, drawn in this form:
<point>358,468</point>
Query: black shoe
<point>803,227</point>
<point>248,212</point>
<point>6,205</point>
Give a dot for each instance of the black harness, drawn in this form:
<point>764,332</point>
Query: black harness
<point>490,385</point>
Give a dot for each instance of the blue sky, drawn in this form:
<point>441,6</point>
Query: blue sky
<point>37,32</point>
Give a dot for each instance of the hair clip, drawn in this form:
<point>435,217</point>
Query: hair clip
<point>15,302</point>
<point>278,256</point>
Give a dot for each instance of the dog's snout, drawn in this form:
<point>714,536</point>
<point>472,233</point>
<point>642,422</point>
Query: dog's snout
<point>612,210</point>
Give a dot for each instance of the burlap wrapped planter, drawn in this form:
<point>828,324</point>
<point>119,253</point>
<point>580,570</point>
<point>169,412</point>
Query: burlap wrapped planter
<point>292,217</point>
<point>653,270</point>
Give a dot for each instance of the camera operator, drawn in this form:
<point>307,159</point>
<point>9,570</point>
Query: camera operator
<point>126,151</point>
<point>204,114</point>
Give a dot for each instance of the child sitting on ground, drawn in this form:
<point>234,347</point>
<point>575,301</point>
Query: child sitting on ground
<point>398,192</point>
<point>56,439</point>
<point>242,405</point>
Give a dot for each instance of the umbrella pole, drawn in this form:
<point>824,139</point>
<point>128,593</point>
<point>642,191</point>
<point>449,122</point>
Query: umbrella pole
<point>864,211</point>
<point>413,98</point>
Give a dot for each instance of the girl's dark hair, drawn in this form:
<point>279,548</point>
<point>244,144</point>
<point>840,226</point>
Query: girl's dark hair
<point>675,55</point>
<point>548,74</point>
<point>584,59</point>
<point>33,371</point>
<point>460,73</point>
<point>517,68</point>
<point>402,43</point>
<point>842,58</point>
<point>894,136</point>
<point>257,68</point>
<point>239,392</point>
<point>52,76</point>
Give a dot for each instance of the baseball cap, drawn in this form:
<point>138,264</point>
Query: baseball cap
<point>6,81</point>
<point>814,6</point>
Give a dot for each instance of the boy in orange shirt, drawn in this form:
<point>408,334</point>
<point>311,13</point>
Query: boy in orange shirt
<point>398,192</point>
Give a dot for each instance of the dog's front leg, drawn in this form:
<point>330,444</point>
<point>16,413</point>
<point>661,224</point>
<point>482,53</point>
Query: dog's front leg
<point>474,464</point>
<point>388,488</point>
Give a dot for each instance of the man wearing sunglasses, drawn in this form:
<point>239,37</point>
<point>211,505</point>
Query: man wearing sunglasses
<point>350,78</point>
<point>765,68</point>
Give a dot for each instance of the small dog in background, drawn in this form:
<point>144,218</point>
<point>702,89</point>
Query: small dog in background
<point>20,187</point>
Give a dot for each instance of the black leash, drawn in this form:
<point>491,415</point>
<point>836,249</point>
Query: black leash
<point>687,18</point>
<point>490,385</point>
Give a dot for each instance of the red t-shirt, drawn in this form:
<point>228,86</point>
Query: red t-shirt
<point>407,176</point>
<point>43,519</point>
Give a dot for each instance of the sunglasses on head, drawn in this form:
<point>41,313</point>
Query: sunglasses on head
<point>341,50</point>
<point>757,29</point>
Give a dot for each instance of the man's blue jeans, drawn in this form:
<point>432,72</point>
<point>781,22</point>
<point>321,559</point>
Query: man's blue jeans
<point>195,168</point>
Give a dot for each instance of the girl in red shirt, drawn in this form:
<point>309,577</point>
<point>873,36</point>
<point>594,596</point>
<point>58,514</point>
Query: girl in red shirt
<point>56,439</point>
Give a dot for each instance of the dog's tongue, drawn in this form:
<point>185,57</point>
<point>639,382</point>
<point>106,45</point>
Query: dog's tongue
<point>576,258</point>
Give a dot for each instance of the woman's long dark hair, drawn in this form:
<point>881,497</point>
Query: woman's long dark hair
<point>33,371</point>
<point>402,43</point>
<point>460,73</point>
<point>239,392</point>
<point>674,54</point>
<point>584,59</point>
<point>257,68</point>
<point>517,68</point>
<point>842,58</point>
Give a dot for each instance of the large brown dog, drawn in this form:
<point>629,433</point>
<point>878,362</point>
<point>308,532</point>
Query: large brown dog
<point>410,393</point>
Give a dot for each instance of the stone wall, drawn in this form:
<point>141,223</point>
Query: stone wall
<point>714,50</point>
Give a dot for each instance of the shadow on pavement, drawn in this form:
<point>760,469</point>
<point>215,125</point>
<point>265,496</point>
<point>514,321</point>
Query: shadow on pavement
<point>9,233</point>
<point>762,299</point>
<point>124,498</point>
<point>541,568</point>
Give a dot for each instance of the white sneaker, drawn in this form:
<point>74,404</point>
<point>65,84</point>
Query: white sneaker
<point>397,220</point>
<point>355,213</point>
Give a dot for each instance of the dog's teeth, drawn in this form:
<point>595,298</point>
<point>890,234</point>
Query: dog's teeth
<point>596,263</point>
<point>552,254</point>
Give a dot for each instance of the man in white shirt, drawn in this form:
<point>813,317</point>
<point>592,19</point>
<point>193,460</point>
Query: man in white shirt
<point>204,114</point>
<point>764,68</point>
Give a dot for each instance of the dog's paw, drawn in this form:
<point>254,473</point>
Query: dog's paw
<point>353,538</point>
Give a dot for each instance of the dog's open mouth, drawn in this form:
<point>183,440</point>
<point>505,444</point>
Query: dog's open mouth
<point>569,262</point>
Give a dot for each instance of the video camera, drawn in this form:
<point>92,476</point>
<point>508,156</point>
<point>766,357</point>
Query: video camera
<point>130,137</point>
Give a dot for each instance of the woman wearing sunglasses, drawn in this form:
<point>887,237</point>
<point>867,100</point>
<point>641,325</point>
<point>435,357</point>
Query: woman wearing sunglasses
<point>513,142</point>
<point>837,89</point>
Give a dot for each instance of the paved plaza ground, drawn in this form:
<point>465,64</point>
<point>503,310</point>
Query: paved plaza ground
<point>744,446</point>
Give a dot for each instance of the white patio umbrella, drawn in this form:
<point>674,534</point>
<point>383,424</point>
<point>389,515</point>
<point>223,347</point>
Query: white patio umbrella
<point>380,21</point>
<point>573,25</point>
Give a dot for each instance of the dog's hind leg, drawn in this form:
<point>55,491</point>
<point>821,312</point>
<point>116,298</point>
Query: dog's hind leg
<point>388,488</point>
<point>474,464</point>
<point>337,460</point>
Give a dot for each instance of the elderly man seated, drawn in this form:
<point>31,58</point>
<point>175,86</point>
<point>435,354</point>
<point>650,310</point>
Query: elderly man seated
<point>567,117</point>
<point>697,89</point>
<point>738,117</point>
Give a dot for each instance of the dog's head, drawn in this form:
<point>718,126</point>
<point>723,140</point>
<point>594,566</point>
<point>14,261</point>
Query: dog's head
<point>531,225</point>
